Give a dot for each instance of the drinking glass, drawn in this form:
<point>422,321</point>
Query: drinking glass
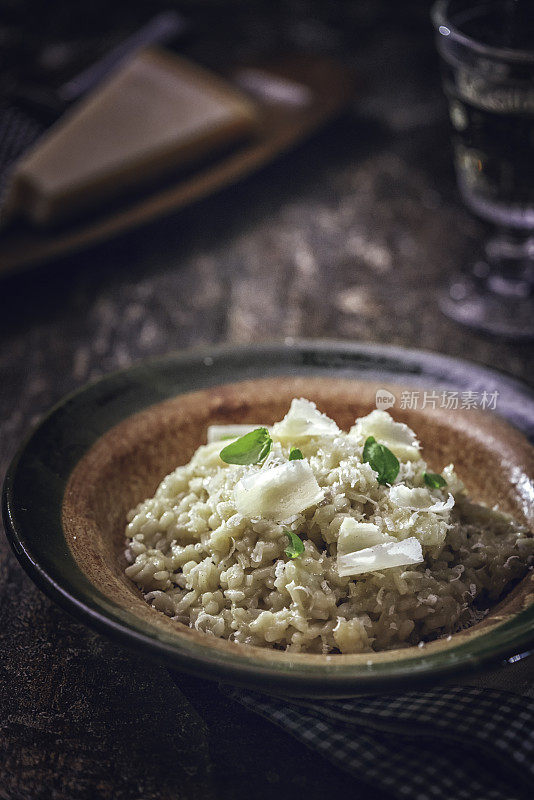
<point>487,56</point>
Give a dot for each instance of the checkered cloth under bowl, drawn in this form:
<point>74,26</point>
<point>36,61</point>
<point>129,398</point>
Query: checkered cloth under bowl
<point>445,743</point>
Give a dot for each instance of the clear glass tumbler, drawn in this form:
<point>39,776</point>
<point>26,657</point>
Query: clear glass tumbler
<point>487,52</point>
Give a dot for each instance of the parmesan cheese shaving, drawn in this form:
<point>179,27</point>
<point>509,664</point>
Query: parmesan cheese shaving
<point>419,499</point>
<point>209,454</point>
<point>396,436</point>
<point>279,492</point>
<point>355,535</point>
<point>380,557</point>
<point>302,421</point>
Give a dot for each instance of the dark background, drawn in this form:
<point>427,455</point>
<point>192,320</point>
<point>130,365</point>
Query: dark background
<point>348,237</point>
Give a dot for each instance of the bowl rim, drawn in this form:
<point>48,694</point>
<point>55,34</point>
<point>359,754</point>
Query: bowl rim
<point>510,641</point>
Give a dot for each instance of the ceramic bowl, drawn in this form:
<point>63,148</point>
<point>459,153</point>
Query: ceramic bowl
<point>106,448</point>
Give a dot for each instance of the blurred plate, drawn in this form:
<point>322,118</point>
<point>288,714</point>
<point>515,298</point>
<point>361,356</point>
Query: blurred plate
<point>296,95</point>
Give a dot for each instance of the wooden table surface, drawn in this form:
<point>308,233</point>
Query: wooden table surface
<point>349,237</point>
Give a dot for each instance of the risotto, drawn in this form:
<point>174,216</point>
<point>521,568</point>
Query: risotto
<point>308,538</point>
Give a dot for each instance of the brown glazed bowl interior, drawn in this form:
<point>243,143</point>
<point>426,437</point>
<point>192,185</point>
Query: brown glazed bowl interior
<point>125,463</point>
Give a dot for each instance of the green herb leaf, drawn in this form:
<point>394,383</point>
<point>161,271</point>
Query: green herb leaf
<point>295,454</point>
<point>296,545</point>
<point>248,449</point>
<point>381,459</point>
<point>434,481</point>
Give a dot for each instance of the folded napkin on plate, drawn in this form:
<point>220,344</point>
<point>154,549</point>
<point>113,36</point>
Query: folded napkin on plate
<point>446,743</point>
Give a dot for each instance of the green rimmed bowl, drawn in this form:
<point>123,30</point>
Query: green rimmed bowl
<point>105,448</point>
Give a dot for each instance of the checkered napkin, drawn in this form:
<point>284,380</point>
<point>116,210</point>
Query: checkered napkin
<point>451,743</point>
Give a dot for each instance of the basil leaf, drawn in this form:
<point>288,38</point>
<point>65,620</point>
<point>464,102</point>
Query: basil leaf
<point>296,545</point>
<point>295,454</point>
<point>434,481</point>
<point>381,459</point>
<point>248,449</point>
